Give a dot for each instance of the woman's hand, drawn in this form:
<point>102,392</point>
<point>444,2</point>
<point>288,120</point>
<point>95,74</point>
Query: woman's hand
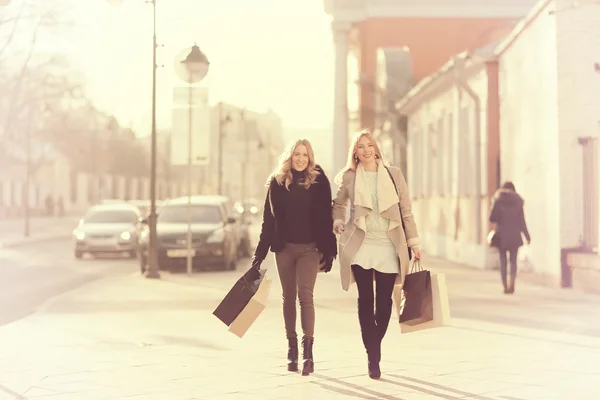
<point>416,253</point>
<point>338,226</point>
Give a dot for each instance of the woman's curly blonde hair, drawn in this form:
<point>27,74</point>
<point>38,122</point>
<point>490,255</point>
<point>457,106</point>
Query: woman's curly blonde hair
<point>283,172</point>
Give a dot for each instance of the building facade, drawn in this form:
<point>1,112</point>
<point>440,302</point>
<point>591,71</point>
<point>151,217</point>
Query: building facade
<point>431,31</point>
<point>245,145</point>
<point>453,153</point>
<point>526,111</point>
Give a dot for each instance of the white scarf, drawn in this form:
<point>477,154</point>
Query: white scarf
<point>386,194</point>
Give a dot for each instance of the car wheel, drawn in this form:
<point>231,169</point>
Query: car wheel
<point>231,265</point>
<point>246,248</point>
<point>78,254</point>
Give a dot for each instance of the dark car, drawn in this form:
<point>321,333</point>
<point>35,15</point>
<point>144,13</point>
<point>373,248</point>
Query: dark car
<point>213,235</point>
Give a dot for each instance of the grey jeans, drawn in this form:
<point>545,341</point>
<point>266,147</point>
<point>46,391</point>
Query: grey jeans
<point>298,266</point>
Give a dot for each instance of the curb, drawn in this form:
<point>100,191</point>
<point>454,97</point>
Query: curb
<point>34,240</point>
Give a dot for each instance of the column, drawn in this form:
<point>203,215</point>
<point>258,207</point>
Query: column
<point>341,31</point>
<point>597,183</point>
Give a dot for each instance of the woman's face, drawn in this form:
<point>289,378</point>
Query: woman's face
<point>300,158</point>
<point>365,151</point>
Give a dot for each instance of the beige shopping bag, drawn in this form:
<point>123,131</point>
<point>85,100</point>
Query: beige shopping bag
<point>441,306</point>
<point>253,309</point>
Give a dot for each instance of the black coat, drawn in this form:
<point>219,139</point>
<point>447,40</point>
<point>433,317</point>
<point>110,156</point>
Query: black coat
<point>508,215</point>
<point>271,235</point>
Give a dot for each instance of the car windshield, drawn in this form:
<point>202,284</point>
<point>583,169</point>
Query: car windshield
<point>111,217</point>
<point>203,214</point>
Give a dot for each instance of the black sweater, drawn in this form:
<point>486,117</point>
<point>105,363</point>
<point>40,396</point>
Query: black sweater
<point>297,224</point>
<point>320,222</point>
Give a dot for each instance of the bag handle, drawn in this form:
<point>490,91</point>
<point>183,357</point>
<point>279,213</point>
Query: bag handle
<point>399,208</point>
<point>416,266</point>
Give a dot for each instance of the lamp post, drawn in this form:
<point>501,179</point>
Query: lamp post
<point>222,122</point>
<point>152,268</point>
<point>196,66</point>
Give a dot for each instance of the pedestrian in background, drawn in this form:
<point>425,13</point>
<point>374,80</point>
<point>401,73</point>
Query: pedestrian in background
<point>374,244</point>
<point>297,226</point>
<point>509,218</point>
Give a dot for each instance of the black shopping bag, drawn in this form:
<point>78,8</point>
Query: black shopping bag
<point>239,296</point>
<point>418,307</point>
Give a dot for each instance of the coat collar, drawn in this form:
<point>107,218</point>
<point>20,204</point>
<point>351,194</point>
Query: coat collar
<point>387,197</point>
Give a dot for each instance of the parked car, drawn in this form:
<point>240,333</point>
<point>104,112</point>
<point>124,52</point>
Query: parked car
<point>108,228</point>
<point>249,208</point>
<point>213,234</point>
<point>241,227</point>
<point>144,206</point>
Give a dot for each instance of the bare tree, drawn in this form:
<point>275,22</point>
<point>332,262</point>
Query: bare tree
<point>26,74</point>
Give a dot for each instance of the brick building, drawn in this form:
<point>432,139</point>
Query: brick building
<point>430,31</point>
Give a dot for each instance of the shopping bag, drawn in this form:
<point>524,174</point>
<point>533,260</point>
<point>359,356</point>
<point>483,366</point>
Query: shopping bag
<point>239,296</point>
<point>493,239</point>
<point>441,306</point>
<point>253,309</point>
<point>418,307</point>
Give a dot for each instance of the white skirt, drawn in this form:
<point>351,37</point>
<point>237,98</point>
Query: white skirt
<point>378,254</point>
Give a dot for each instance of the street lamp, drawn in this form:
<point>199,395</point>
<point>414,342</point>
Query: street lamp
<point>196,66</point>
<point>222,121</point>
<point>152,260</point>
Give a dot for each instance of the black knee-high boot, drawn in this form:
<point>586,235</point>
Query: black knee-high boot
<point>371,340</point>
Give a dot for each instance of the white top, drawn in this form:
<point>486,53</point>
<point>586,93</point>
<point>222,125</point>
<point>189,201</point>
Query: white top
<point>377,251</point>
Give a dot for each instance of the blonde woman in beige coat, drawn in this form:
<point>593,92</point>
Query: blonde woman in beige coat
<point>373,244</point>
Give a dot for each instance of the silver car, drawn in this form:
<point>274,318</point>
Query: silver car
<point>108,228</point>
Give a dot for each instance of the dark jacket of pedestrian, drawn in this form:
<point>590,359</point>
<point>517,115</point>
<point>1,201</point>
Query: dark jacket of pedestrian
<point>508,215</point>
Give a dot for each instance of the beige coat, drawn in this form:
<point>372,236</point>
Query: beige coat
<point>355,229</point>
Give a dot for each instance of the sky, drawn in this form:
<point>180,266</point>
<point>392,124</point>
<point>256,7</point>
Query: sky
<point>263,54</point>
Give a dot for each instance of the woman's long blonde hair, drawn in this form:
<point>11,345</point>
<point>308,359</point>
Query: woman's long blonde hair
<point>352,162</point>
<point>283,172</point>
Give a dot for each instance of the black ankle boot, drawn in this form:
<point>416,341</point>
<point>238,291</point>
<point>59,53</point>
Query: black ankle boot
<point>292,355</point>
<point>307,352</point>
<point>511,286</point>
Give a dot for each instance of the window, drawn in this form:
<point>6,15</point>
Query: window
<point>465,153</point>
<point>178,214</point>
<point>440,156</point>
<point>590,192</point>
<point>74,188</point>
<point>111,217</point>
<point>449,154</point>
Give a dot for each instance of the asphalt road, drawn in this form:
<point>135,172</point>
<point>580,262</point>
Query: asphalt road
<point>34,273</point>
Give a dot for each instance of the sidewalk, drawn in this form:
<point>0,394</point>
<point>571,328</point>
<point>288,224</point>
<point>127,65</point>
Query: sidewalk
<point>133,338</point>
<point>12,231</point>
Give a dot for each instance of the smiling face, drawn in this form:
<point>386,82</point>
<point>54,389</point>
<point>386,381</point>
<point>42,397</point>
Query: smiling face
<point>365,150</point>
<point>300,158</point>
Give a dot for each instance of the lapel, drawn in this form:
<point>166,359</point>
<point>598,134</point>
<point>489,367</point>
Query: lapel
<point>358,211</point>
<point>386,197</point>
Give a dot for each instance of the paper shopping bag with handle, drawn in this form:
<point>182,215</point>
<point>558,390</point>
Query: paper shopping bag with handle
<point>253,309</point>
<point>239,296</point>
<point>418,307</point>
<point>440,303</point>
